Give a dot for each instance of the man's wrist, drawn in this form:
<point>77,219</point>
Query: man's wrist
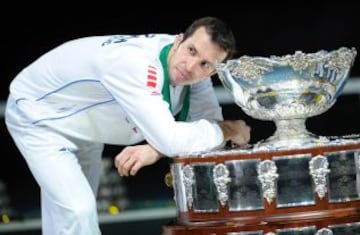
<point>226,130</point>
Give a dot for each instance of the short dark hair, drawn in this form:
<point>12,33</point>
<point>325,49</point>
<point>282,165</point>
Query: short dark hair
<point>220,33</point>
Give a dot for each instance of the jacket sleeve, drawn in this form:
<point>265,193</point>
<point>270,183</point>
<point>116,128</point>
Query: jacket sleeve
<point>204,103</point>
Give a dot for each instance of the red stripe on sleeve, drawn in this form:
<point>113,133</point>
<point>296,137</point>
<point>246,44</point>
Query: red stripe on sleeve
<point>151,77</point>
<point>151,84</point>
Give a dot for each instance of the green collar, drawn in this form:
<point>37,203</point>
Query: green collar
<point>166,89</point>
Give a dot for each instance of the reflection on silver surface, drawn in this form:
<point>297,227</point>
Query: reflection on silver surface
<point>244,188</point>
<point>319,170</point>
<point>267,174</point>
<point>343,176</point>
<point>179,188</point>
<point>294,185</point>
<point>288,90</point>
<point>246,233</point>
<point>357,165</point>
<point>204,188</point>
<point>297,231</point>
<point>346,229</point>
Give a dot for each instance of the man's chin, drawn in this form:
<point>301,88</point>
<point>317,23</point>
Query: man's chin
<point>180,82</point>
<point>184,83</point>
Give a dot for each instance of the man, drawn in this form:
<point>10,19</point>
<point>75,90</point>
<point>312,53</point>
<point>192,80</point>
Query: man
<point>121,90</point>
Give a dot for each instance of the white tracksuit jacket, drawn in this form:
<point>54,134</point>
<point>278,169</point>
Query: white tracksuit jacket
<point>107,89</point>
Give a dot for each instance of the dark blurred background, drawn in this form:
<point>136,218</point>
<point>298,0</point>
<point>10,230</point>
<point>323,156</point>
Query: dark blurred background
<point>260,29</point>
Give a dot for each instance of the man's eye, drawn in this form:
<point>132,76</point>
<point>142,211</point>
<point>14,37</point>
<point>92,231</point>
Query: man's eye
<point>192,51</point>
<point>207,66</point>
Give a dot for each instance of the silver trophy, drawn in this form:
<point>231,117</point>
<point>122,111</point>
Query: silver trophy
<point>287,90</point>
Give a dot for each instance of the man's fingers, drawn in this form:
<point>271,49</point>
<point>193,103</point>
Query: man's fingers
<point>127,166</point>
<point>131,159</point>
<point>135,168</point>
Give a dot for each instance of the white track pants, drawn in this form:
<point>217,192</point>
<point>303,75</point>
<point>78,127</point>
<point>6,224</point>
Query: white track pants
<point>67,171</point>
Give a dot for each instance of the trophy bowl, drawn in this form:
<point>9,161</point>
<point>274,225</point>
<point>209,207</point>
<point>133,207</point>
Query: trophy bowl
<point>287,90</point>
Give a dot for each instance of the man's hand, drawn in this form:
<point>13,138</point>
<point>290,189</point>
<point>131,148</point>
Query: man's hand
<point>132,158</point>
<point>237,131</point>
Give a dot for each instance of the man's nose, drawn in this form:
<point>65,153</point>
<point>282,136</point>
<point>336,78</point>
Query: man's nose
<point>191,64</point>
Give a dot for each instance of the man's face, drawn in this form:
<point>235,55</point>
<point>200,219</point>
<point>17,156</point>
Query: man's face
<point>193,59</point>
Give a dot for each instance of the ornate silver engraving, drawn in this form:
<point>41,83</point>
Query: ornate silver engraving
<point>324,231</point>
<point>251,68</point>
<point>221,180</point>
<point>319,169</point>
<point>188,173</point>
<point>267,174</point>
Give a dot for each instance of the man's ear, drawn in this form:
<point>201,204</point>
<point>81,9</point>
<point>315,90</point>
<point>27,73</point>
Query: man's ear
<point>179,39</point>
